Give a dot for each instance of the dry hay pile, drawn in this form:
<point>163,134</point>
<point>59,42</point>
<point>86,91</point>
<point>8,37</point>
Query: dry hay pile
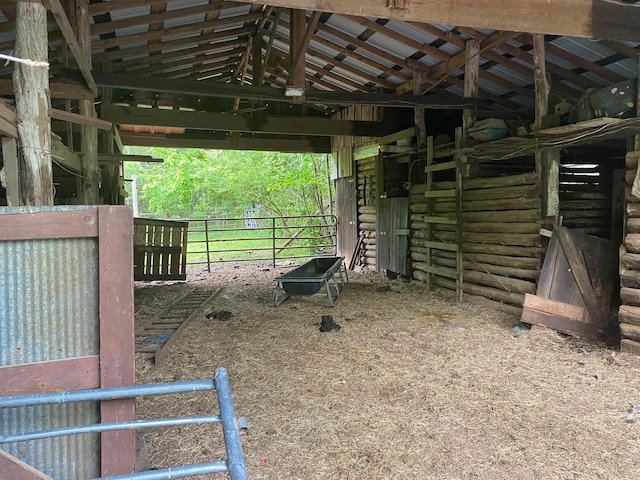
<point>413,386</point>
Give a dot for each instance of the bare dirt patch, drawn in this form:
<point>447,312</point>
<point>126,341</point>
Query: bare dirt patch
<point>413,386</point>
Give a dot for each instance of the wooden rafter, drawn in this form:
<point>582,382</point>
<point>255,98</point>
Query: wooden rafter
<point>76,49</point>
<point>206,39</point>
<point>301,50</point>
<point>181,29</point>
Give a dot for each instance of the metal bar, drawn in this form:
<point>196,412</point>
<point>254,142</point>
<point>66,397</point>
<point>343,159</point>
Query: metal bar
<point>235,458</point>
<point>109,427</point>
<point>175,472</point>
<point>273,241</point>
<point>206,234</point>
<point>99,394</point>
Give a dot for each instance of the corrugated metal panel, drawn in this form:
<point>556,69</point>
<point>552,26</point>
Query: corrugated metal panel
<point>49,298</point>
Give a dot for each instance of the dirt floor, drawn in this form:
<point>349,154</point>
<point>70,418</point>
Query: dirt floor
<point>413,386</point>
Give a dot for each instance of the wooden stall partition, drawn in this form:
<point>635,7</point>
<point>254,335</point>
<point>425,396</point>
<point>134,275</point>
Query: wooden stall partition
<point>501,246</point>
<point>367,206</point>
<point>629,312</point>
<point>70,238</point>
<point>160,249</point>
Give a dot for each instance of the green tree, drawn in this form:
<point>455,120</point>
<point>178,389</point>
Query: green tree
<point>216,183</point>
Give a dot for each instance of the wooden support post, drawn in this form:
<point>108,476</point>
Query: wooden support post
<point>637,137</point>
<point>11,171</point>
<point>256,61</point>
<point>296,75</point>
<point>471,70</point>
<point>547,161</point>
<point>88,135</point>
<point>32,104</point>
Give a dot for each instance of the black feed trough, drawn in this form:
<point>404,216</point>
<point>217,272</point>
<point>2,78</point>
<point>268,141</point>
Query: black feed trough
<point>311,277</point>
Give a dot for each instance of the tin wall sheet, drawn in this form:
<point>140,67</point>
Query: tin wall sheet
<point>49,294</point>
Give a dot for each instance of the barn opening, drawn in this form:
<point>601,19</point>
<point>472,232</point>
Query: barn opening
<point>466,144</point>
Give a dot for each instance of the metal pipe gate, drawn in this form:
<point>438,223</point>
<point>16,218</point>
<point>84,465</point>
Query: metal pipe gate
<point>234,464</point>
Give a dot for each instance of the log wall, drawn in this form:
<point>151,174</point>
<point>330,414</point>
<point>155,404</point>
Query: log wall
<point>629,313</point>
<point>367,195</point>
<point>500,238</point>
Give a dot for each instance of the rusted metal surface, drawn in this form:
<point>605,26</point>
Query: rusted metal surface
<point>49,298</point>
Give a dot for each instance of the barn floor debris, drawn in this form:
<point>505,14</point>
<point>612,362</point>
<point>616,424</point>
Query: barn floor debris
<point>413,386</point>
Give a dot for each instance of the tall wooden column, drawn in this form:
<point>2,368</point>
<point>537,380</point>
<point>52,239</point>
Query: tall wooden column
<point>547,161</point>
<point>471,71</point>
<point>298,22</point>
<point>33,107</point>
<point>88,135</point>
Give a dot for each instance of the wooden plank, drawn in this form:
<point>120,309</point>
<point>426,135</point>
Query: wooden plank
<point>80,119</point>
<point>36,226</point>
<point>71,91</point>
<point>471,71</point>
<point>590,18</point>
<point>55,375</point>
<point>115,250</point>
<point>630,331</point>
<point>12,468</point>
<point>581,275</point>
<point>281,124</point>
<point>10,165</point>
<point>629,314</point>
<point>630,346</point>
<point>61,154</point>
<point>440,193</point>
<point>562,324</point>
<point>553,307</point>
<point>441,166</point>
<point>76,48</point>
<point>8,120</point>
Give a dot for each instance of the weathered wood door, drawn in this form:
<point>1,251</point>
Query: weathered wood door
<point>392,234</point>
<point>575,286</point>
<point>347,212</point>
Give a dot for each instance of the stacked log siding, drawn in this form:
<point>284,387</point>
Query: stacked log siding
<point>500,238</point>
<point>367,193</point>
<point>629,313</point>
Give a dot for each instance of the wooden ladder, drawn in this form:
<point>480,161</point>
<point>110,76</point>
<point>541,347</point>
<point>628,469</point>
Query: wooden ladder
<point>434,241</point>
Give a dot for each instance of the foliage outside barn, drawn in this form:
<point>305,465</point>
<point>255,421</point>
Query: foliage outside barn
<point>229,195</point>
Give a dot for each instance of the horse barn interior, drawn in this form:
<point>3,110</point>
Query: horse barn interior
<point>488,150</point>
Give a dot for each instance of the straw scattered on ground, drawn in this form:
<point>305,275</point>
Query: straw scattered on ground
<point>413,386</point>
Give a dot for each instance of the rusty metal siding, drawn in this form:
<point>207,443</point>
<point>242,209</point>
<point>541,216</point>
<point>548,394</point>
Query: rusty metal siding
<point>49,311</point>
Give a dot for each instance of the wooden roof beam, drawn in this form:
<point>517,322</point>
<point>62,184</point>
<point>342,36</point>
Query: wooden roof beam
<point>334,62</point>
<point>297,62</point>
<point>551,49</point>
<point>153,18</point>
<point>220,37</point>
<point>587,18</point>
<point>199,66</point>
<point>298,145</point>
<point>440,72</point>
<point>84,63</point>
<point>282,125</point>
<point>190,28</point>
<point>355,56</point>
<point>187,55</point>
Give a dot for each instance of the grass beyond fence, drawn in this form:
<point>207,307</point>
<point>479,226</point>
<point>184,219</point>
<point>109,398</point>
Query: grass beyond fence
<point>269,240</point>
